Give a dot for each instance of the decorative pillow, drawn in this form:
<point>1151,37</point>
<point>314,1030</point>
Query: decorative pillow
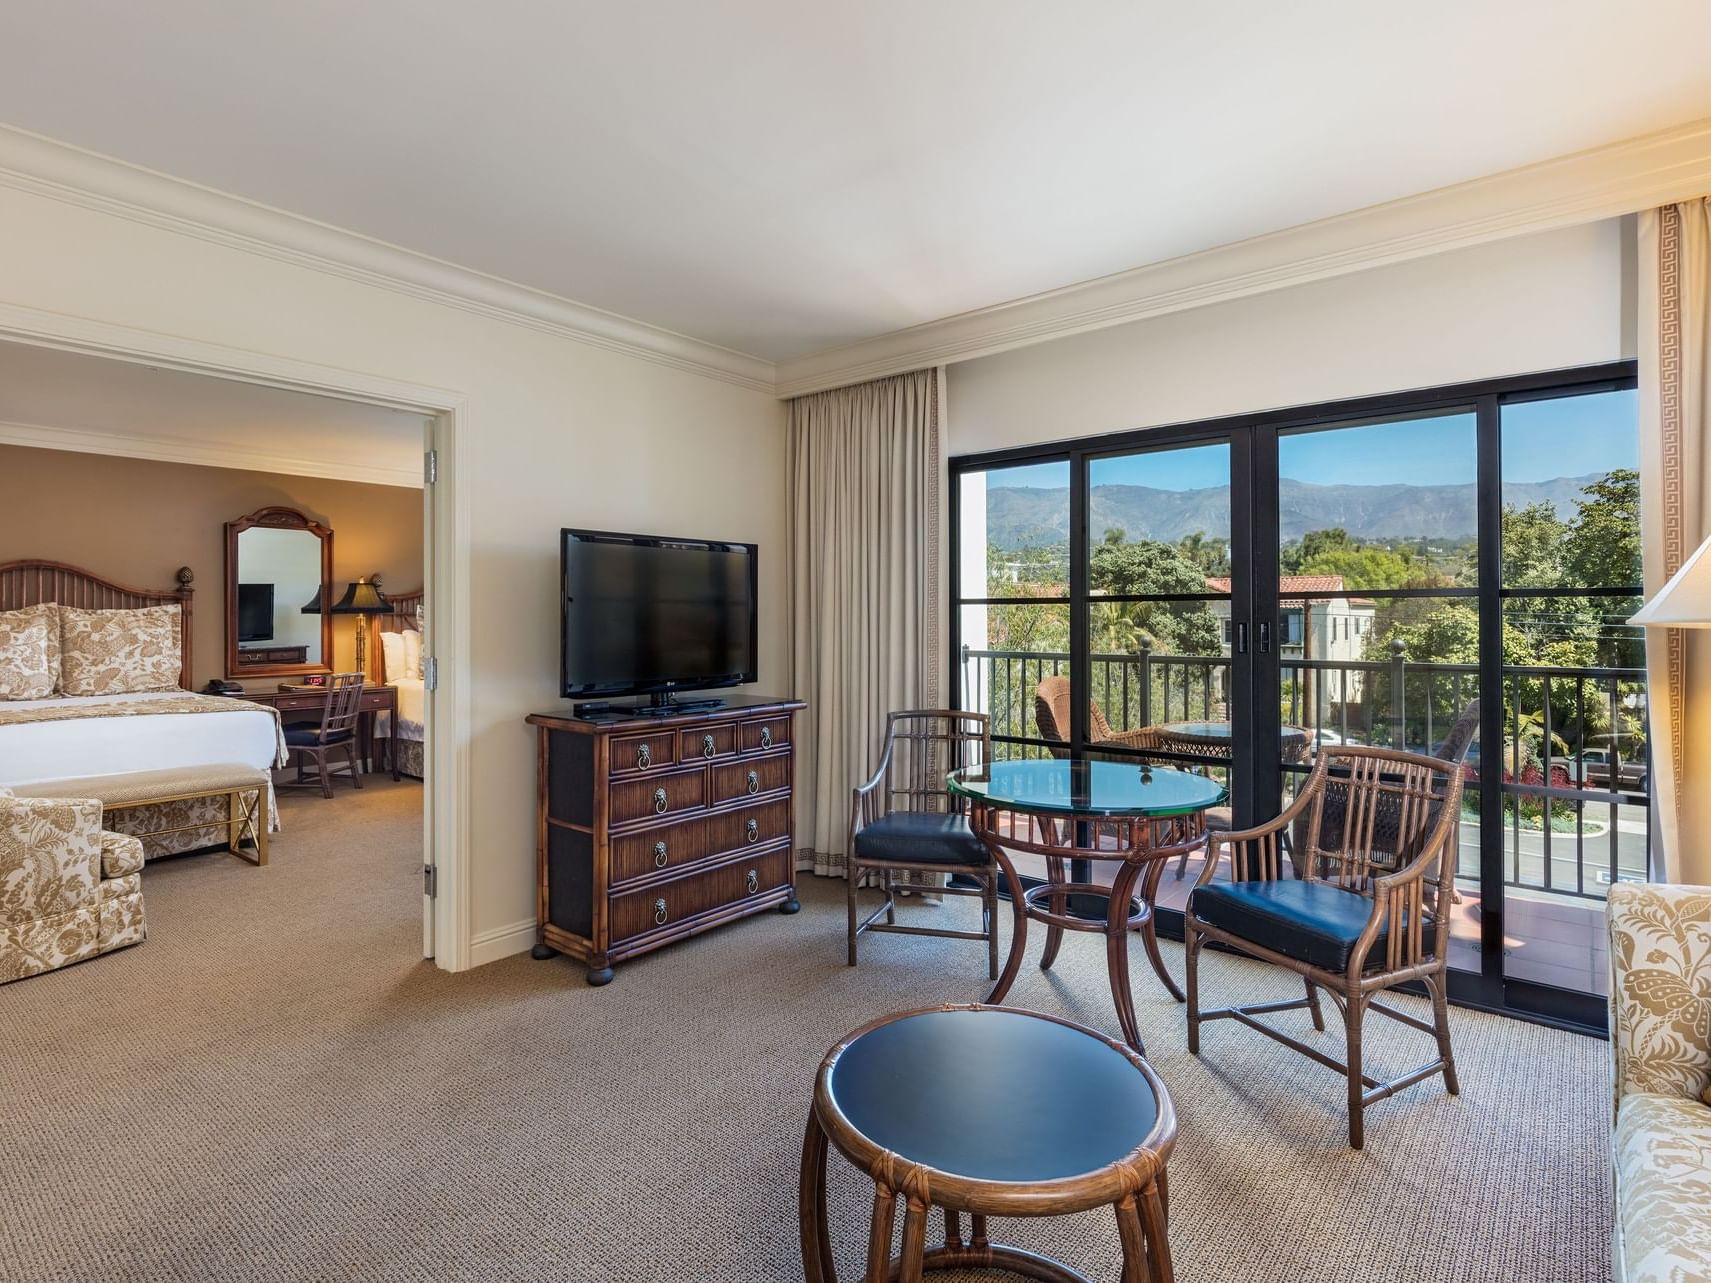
<point>29,652</point>
<point>115,652</point>
<point>412,653</point>
<point>392,652</point>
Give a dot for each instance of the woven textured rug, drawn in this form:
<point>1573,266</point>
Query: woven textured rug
<point>275,1087</point>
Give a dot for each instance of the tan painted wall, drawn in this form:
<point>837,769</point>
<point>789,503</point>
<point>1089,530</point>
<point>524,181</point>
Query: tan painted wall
<point>137,521</point>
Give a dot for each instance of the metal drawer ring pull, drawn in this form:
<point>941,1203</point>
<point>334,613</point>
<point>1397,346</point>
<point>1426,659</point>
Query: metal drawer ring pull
<point>754,782</point>
<point>660,801</point>
<point>766,737</point>
<point>660,914</point>
<point>753,881</point>
<point>706,746</point>
<point>752,831</point>
<point>659,855</point>
<point>644,756</point>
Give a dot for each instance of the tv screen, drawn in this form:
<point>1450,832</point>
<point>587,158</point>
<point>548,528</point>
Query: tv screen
<point>644,614</point>
<point>255,612</point>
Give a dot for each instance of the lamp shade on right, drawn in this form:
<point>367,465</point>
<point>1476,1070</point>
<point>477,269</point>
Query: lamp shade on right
<point>1685,601</point>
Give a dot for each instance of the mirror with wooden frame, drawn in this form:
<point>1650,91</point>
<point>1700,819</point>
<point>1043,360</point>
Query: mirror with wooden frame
<point>279,583</point>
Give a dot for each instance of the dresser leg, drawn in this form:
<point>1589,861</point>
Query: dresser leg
<point>542,951</point>
<point>792,905</point>
<point>599,971</point>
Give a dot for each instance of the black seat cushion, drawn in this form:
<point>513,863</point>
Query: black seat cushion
<point>309,736</point>
<point>911,838</point>
<point>1311,922</point>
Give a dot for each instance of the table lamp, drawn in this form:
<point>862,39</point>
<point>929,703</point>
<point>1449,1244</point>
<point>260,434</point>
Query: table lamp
<point>362,599</point>
<point>1685,601</point>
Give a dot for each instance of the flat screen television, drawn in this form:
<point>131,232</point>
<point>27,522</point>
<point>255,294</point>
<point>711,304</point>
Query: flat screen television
<point>647,615</point>
<point>255,612</point>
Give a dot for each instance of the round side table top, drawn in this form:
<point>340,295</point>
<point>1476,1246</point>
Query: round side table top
<point>992,1094</point>
<point>1086,787</point>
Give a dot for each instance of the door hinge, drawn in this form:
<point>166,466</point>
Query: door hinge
<point>430,674</point>
<point>430,881</point>
<point>431,467</point>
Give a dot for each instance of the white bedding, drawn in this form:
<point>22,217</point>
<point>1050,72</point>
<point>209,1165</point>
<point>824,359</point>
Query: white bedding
<point>32,752</point>
<point>412,710</point>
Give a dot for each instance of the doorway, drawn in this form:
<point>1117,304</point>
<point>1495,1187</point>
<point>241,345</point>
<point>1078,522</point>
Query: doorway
<point>1229,597</point>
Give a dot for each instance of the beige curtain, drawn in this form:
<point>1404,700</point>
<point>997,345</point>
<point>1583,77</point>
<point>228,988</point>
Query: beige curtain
<point>1675,513</point>
<point>864,491</point>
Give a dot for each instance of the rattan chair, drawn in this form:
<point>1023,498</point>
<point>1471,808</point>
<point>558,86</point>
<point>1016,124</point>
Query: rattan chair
<point>1051,716</point>
<point>335,734</point>
<point>905,822</point>
<point>1368,912</point>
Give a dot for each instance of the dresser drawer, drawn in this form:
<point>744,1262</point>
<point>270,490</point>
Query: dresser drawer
<point>764,733</point>
<point>665,793</point>
<point>658,908</point>
<point>707,743</point>
<point>642,752</point>
<point>750,777</point>
<point>637,855</point>
<point>753,825</point>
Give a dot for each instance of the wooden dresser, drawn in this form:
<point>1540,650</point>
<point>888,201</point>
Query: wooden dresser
<point>653,829</point>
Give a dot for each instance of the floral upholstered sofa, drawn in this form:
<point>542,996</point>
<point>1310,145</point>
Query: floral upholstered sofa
<point>1660,1038</point>
<point>68,890</point>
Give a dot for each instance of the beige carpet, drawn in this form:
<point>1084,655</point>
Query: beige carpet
<point>274,1087</point>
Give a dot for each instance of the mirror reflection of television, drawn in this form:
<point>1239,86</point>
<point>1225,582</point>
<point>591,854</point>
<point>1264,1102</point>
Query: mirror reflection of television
<point>255,612</point>
<point>650,615</point>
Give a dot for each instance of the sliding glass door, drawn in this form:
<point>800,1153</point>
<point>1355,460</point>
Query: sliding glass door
<point>1234,597</point>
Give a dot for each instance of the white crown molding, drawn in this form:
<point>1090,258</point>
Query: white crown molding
<point>44,167</point>
<point>205,454</point>
<point>1601,183</point>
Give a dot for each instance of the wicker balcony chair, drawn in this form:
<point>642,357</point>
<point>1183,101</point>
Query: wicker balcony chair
<point>1051,716</point>
<point>1367,913</point>
<point>904,821</point>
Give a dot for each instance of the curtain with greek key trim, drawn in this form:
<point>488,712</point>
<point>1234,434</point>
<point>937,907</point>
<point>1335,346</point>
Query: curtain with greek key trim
<point>1675,512</point>
<point>864,530</point>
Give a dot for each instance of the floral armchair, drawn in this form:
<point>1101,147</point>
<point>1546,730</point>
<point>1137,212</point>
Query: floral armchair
<point>68,890</point>
<point>1660,1042</point>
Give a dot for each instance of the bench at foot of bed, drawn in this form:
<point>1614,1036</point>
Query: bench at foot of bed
<point>244,787</point>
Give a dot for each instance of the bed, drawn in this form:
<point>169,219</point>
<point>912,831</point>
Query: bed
<point>406,616</point>
<point>69,736</point>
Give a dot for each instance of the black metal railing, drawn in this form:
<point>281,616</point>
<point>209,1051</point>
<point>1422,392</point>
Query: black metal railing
<point>1575,786</point>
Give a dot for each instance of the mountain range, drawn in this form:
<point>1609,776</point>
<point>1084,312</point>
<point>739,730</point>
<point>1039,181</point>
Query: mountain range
<point>1024,517</point>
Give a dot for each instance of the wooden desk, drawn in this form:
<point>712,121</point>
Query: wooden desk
<point>374,701</point>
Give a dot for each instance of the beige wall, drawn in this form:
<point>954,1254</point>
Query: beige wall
<point>560,433</point>
<point>1541,302</point>
<point>137,521</point>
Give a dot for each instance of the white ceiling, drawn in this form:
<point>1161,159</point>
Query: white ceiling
<point>782,178</point>
<point>72,401</point>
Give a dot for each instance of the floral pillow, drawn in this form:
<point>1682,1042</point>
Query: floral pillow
<point>116,652</point>
<point>29,652</point>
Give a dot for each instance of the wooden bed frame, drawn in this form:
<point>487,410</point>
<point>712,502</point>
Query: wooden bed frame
<point>30,583</point>
<point>401,618</point>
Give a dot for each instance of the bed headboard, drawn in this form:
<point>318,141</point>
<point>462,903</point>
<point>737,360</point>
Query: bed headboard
<point>402,617</point>
<point>30,583</point>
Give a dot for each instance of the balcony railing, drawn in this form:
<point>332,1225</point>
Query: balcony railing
<point>1574,821</point>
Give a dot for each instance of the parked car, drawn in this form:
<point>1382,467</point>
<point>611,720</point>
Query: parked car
<point>1592,770</point>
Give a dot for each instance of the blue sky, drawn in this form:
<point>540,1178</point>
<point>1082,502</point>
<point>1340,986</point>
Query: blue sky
<point>1562,437</point>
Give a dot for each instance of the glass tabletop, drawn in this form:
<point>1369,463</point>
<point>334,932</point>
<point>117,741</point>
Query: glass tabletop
<point>1088,788</point>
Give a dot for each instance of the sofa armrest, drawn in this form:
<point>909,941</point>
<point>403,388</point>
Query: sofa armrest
<point>1660,989</point>
<point>120,854</point>
<point>50,857</point>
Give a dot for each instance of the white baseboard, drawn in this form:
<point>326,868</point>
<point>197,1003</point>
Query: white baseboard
<point>501,942</point>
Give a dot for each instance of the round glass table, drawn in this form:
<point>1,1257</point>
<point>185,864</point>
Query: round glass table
<point>1073,812</point>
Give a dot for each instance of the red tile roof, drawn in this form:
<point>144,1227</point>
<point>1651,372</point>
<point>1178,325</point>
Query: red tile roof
<point>1293,585</point>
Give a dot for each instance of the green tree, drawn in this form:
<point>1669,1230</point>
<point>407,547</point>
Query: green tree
<point>1532,548</point>
<point>1143,568</point>
<point>1602,548</point>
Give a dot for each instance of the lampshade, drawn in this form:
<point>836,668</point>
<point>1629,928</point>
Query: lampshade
<point>362,598</point>
<point>1685,601</point>
<point>313,606</point>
